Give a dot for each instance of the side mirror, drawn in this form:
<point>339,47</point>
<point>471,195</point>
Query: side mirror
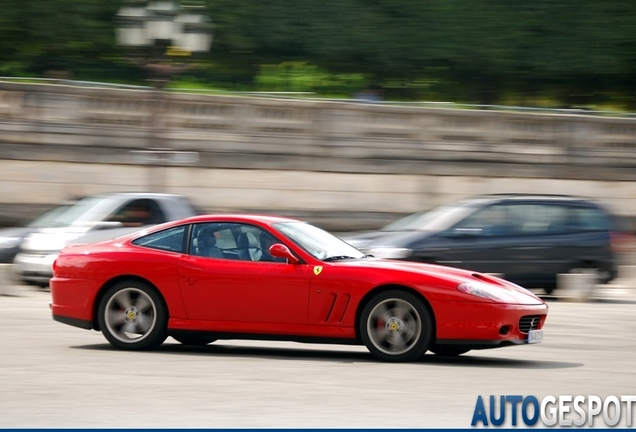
<point>279,250</point>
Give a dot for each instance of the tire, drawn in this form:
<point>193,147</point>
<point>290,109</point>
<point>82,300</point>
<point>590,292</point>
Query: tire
<point>449,351</point>
<point>602,274</point>
<point>132,316</point>
<point>396,326</point>
<point>194,339</point>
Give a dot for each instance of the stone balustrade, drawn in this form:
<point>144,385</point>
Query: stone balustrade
<point>58,141</point>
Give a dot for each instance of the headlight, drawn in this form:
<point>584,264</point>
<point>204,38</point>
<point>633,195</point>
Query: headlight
<point>9,242</point>
<point>391,252</point>
<point>490,292</point>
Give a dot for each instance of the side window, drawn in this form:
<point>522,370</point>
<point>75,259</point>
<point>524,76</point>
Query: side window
<point>167,240</point>
<point>490,221</point>
<point>232,241</point>
<point>139,212</point>
<point>212,240</point>
<point>539,219</point>
<point>589,219</point>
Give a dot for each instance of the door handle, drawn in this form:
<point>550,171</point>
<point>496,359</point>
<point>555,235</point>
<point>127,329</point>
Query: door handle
<point>188,280</point>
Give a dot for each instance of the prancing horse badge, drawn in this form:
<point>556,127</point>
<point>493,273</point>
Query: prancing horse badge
<point>317,270</point>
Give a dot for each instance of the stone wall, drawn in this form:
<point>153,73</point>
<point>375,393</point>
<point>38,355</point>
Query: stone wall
<point>342,164</point>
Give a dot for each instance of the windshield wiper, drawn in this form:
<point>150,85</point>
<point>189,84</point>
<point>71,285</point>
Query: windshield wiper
<point>338,257</point>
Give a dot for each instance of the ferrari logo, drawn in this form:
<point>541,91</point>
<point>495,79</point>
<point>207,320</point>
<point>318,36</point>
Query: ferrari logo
<point>317,270</point>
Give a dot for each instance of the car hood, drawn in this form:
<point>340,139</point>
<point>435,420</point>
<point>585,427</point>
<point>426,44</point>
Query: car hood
<point>15,232</point>
<point>368,240</point>
<point>447,279</point>
<point>51,239</point>
<point>11,237</point>
<point>20,233</point>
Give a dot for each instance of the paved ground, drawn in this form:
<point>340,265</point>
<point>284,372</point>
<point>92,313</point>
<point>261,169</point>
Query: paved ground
<point>53,375</point>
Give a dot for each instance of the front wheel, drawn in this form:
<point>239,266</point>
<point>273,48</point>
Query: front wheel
<point>133,316</point>
<point>396,326</point>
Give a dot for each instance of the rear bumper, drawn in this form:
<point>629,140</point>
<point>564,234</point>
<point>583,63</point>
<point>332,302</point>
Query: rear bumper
<point>72,301</point>
<point>85,324</point>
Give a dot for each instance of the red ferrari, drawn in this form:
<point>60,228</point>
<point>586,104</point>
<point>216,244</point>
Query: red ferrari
<point>264,277</point>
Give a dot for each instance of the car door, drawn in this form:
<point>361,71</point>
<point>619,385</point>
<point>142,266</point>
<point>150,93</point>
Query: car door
<point>232,289</point>
<point>569,235</point>
<point>479,242</point>
<point>541,242</point>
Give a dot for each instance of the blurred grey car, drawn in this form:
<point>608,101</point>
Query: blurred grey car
<point>93,219</point>
<point>11,238</point>
<point>528,239</point>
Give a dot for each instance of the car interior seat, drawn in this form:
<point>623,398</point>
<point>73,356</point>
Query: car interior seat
<point>206,244</point>
<point>248,247</point>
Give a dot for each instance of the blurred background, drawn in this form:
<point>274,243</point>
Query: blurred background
<point>347,113</point>
<point>560,54</point>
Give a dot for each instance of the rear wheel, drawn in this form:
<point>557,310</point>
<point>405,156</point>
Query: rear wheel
<point>133,316</point>
<point>396,326</point>
<point>602,274</point>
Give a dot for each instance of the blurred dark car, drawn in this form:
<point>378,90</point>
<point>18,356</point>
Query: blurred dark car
<point>11,238</point>
<point>527,239</point>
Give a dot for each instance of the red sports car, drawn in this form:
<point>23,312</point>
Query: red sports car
<point>265,277</point>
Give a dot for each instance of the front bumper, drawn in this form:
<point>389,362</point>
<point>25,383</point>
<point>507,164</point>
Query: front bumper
<point>487,325</point>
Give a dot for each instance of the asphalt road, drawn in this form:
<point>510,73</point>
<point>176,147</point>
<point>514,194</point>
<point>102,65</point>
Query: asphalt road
<point>53,375</point>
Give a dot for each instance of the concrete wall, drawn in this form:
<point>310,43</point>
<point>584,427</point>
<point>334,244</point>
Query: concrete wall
<point>344,165</point>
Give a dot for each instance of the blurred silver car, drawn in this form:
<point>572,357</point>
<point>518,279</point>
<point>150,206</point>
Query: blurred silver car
<point>94,219</point>
<point>10,238</point>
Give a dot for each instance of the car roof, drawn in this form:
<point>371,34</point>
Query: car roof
<point>128,195</point>
<point>267,219</point>
<point>531,197</point>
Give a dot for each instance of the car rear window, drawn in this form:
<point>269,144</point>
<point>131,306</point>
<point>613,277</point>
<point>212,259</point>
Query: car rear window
<point>167,240</point>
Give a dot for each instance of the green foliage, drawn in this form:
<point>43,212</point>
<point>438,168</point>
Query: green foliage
<point>572,52</point>
<point>303,77</point>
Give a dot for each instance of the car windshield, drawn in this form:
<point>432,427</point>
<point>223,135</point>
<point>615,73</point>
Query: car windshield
<point>437,219</point>
<point>87,210</point>
<point>317,242</point>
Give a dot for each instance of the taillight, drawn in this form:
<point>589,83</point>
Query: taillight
<point>622,242</point>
